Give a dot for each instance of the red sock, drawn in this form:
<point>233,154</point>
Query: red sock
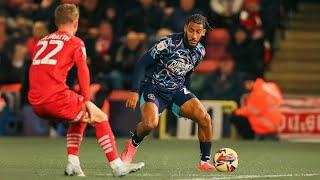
<point>74,137</point>
<point>106,140</point>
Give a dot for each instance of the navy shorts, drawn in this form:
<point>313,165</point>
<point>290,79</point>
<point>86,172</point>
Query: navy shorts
<point>165,100</point>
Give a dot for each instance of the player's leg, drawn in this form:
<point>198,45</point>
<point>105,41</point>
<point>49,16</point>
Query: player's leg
<point>60,110</point>
<point>72,109</point>
<point>74,137</point>
<point>106,141</point>
<point>190,107</point>
<point>150,120</point>
<point>150,105</point>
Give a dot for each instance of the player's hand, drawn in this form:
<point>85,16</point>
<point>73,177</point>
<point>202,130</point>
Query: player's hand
<point>89,112</point>
<point>132,100</point>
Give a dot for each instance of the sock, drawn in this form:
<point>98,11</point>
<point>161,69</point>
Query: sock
<point>74,137</point>
<point>106,140</point>
<point>135,139</point>
<point>73,159</point>
<point>205,151</point>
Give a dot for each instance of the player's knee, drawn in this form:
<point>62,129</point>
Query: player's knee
<point>205,120</point>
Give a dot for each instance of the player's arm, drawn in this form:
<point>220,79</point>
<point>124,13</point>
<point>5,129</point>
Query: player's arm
<point>138,75</point>
<point>83,72</point>
<point>149,59</point>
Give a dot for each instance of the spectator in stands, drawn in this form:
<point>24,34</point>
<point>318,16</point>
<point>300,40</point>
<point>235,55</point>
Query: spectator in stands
<point>20,29</point>
<point>260,115</point>
<point>147,18</point>
<point>160,33</point>
<point>102,52</point>
<point>4,49</point>
<point>111,14</point>
<point>90,17</point>
<point>39,30</point>
<point>270,16</point>
<point>225,13</point>
<point>45,13</point>
<point>223,84</point>
<point>241,49</point>
<point>251,20</point>
<point>15,69</point>
<point>128,54</point>
<point>25,7</point>
<point>176,20</point>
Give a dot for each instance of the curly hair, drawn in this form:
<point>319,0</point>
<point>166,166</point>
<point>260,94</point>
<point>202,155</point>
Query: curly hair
<point>199,19</point>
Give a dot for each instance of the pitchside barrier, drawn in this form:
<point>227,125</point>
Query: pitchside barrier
<point>187,129</point>
<point>300,117</point>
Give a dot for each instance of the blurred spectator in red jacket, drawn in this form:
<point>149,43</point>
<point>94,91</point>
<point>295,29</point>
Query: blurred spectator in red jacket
<point>262,109</point>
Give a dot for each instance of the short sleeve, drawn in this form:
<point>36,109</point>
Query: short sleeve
<point>162,47</point>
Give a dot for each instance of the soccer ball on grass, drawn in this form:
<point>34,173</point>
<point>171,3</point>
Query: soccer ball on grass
<point>226,160</point>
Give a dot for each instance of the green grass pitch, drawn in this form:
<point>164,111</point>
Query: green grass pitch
<point>44,158</point>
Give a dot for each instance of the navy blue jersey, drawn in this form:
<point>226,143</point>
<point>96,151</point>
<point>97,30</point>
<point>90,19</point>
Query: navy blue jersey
<point>168,64</point>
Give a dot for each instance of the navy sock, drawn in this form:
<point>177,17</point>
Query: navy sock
<point>135,139</point>
<point>205,151</point>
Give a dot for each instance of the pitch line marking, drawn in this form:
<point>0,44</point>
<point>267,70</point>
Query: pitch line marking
<point>217,176</point>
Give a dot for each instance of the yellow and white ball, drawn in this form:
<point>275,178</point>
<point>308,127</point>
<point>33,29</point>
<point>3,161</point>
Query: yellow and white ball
<point>226,160</point>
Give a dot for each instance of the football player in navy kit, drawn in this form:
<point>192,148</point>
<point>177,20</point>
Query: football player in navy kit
<point>161,79</point>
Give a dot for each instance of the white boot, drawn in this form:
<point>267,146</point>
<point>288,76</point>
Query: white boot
<point>121,169</point>
<point>73,167</point>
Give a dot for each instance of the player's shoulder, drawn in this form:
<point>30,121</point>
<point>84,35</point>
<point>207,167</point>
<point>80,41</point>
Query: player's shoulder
<point>164,43</point>
<point>200,48</point>
<point>77,41</point>
<point>176,38</point>
<point>171,40</point>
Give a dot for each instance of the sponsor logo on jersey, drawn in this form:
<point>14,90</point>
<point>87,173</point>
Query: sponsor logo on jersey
<point>179,67</point>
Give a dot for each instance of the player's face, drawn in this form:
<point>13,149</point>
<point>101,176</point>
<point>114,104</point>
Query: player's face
<point>194,32</point>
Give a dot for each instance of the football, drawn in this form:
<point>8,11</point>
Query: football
<point>226,160</point>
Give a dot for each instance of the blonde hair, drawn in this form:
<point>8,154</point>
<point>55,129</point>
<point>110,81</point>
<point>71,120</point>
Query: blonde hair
<point>66,13</point>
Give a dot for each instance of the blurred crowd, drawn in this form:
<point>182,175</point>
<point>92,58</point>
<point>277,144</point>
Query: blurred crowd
<point>240,45</point>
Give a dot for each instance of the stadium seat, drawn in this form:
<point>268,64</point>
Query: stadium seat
<point>207,66</point>
<point>10,88</point>
<point>216,44</point>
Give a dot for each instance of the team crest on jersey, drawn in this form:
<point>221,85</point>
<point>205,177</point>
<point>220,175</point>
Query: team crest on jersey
<point>151,96</point>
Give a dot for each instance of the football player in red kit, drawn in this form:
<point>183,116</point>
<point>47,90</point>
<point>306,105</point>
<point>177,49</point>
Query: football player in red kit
<point>51,98</point>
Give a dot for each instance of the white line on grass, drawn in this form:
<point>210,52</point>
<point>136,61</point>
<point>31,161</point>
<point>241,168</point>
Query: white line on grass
<point>216,176</point>
<point>258,176</point>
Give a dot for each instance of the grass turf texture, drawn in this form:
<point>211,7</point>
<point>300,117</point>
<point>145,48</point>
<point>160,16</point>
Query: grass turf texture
<point>44,158</point>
